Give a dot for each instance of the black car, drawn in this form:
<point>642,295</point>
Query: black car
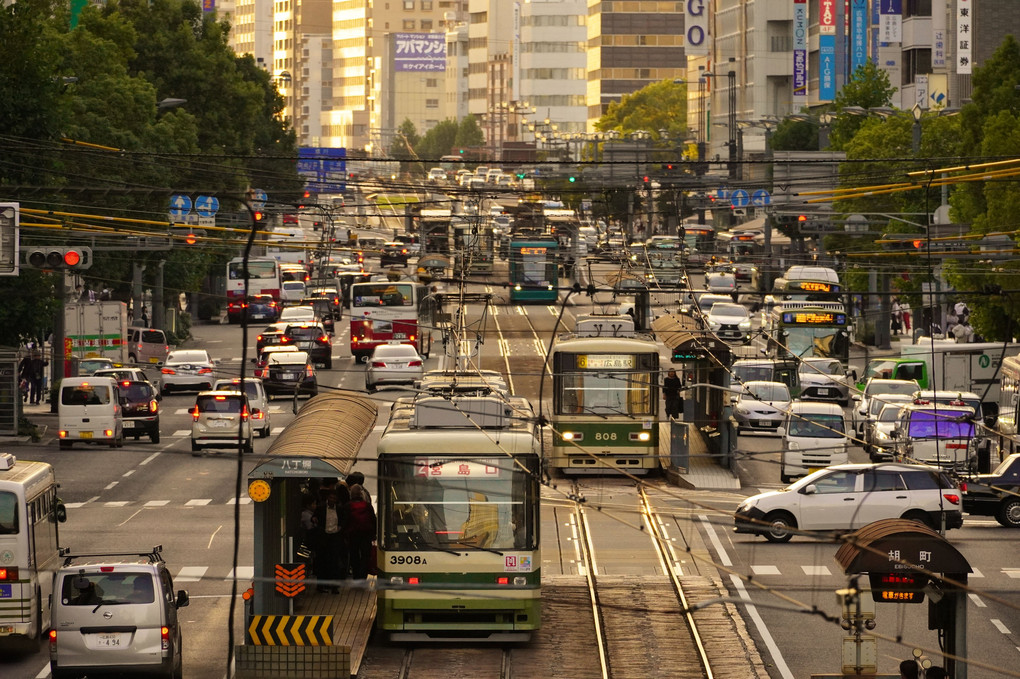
<point>270,337</point>
<point>257,307</point>
<point>287,373</point>
<point>313,339</point>
<point>139,402</point>
<point>394,254</point>
<point>327,310</point>
<point>996,494</point>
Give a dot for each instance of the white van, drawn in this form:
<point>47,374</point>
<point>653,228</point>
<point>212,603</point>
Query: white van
<point>815,437</point>
<point>941,435</point>
<point>89,411</point>
<point>147,345</point>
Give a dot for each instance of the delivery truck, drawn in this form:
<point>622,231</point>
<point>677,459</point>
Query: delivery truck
<point>96,330</point>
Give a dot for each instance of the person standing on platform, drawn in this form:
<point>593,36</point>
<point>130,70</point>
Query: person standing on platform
<point>330,551</point>
<point>360,532</point>
<point>671,387</point>
<point>908,669</point>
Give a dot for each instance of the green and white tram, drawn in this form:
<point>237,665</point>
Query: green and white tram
<point>605,399</point>
<point>458,550</point>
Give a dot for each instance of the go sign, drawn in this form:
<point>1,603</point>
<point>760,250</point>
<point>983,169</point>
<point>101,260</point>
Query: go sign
<point>695,27</point>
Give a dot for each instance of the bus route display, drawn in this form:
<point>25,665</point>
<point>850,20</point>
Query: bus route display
<point>816,286</point>
<point>813,318</point>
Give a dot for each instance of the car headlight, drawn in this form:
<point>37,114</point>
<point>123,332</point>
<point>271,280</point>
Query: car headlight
<point>714,325</point>
<point>882,436</point>
<point>744,325</point>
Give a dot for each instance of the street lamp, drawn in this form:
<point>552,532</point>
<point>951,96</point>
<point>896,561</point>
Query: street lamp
<point>824,124</point>
<point>916,140</point>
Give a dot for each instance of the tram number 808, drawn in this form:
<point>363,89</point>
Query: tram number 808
<point>605,436</point>
<point>398,560</point>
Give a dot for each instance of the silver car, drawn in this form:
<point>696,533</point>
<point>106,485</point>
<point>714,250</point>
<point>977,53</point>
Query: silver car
<point>189,369</point>
<point>879,442</point>
<point>730,322</point>
<point>824,379</point>
<point>761,406</point>
<point>258,401</point>
<point>393,364</point>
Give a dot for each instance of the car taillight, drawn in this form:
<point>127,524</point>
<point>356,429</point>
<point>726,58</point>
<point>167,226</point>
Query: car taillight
<point>258,338</point>
<point>168,371</point>
<point>259,415</point>
<point>153,406</point>
<point>414,364</point>
<point>194,413</point>
<point>378,364</point>
<point>952,498</point>
<point>204,371</point>
<point>322,340</point>
<point>245,414</point>
<point>164,638</point>
<point>963,487</point>
<point>286,340</point>
<point>309,372</point>
<point>261,372</point>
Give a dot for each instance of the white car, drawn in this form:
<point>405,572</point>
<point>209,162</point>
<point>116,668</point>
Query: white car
<point>721,282</point>
<point>824,379</point>
<point>761,406</point>
<point>879,442</point>
<point>188,369</point>
<point>292,292</point>
<point>393,364</point>
<point>296,314</point>
<point>845,497</point>
<point>221,419</point>
<point>729,321</point>
<point>875,387</point>
<point>437,174</point>
<point>258,401</point>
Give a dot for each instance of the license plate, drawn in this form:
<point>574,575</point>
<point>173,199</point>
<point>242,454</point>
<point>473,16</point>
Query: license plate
<point>6,592</point>
<point>85,435</point>
<point>288,376</point>
<point>109,640</point>
<point>812,470</point>
<point>764,423</point>
<point>823,392</point>
<point>128,424</point>
<point>400,335</point>
<point>153,360</point>
<point>219,424</point>
<point>258,316</point>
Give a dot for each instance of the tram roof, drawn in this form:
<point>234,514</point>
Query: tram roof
<point>324,439</point>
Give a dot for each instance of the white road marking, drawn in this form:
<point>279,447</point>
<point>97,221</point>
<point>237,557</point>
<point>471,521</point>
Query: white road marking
<point>816,570</point>
<point>520,310</point>
<point>999,626</point>
<point>129,472</point>
<point>191,574</point>
<point>213,536</point>
<point>724,558</point>
<point>111,485</point>
<point>1013,573</point>
<point>197,503</point>
<point>553,310</point>
<point>74,505</point>
<point>130,517</point>
<point>157,503</point>
<point>243,573</point>
<point>977,574</point>
<point>148,459</point>
<point>119,503</point>
<point>243,501</point>
<point>978,601</point>
<point>770,643</point>
<point>504,347</point>
<point>764,570</point>
<point>182,432</point>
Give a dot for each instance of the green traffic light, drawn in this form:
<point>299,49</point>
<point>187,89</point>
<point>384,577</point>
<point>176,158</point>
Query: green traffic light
<point>572,180</point>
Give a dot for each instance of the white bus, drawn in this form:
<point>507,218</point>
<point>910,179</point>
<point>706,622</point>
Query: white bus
<point>29,551</point>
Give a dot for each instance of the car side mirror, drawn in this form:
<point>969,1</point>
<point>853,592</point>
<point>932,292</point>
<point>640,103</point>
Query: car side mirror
<point>182,598</point>
<point>60,512</point>
<point>809,489</point>
<point>856,398</point>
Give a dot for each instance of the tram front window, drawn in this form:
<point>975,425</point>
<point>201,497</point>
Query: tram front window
<point>605,393</point>
<point>450,504</point>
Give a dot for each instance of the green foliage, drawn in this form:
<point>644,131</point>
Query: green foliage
<point>869,87</point>
<point>405,141</point>
<point>795,135</point>
<point>468,133</point>
<point>438,141</point>
<point>29,307</point>
<point>658,106</point>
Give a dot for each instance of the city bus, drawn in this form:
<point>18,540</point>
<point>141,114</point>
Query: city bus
<point>384,311</point>
<point>605,399</point>
<point>29,547</point>
<point>263,278</point>
<point>1009,398</point>
<point>534,269</point>
<point>806,329</point>
<point>664,255</point>
<point>699,243</point>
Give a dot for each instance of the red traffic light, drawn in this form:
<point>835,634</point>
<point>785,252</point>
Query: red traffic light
<point>72,258</point>
<point>259,215</point>
<point>801,218</point>
<point>191,239</point>
<point>645,179</point>
<point>918,244</point>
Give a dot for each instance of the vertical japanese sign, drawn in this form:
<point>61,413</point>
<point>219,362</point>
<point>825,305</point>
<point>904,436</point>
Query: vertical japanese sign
<point>419,51</point>
<point>800,65</point>
<point>696,27</point>
<point>891,24</point>
<point>875,42</point>
<point>515,57</point>
<point>858,34</point>
<point>827,50</point>
<point>964,17</point>
<point>938,37</point>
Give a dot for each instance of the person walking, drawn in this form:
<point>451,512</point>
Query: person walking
<point>671,387</point>
<point>360,532</point>
<point>36,370</point>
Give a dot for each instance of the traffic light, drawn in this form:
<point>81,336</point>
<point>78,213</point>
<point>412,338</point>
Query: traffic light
<point>191,239</point>
<point>73,258</point>
<point>258,216</point>
<point>572,180</point>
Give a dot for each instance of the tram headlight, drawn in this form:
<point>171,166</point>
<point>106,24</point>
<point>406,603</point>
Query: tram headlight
<point>520,581</point>
<point>573,436</point>
<point>517,287</point>
<point>640,436</point>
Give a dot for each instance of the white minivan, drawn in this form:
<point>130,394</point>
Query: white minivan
<point>89,411</point>
<point>815,437</point>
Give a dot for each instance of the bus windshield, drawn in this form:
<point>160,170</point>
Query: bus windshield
<point>820,342</point>
<point>457,502</point>
<point>256,269</point>
<point>383,294</point>
<point>8,513</point>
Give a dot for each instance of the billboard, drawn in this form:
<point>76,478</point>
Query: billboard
<point>696,27</point>
<point>419,51</point>
<point>891,21</point>
<point>858,34</point>
<point>826,50</point>
<point>800,44</point>
<point>963,34</point>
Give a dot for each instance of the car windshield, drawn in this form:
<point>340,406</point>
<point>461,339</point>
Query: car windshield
<point>770,392</point>
<point>250,388</point>
<point>881,401</point>
<point>188,357</point>
<point>812,425</point>
<point>940,424</point>
<point>723,309</point>
<point>889,413</point>
<point>295,312</point>
<point>750,373</point>
<point>136,391</point>
<point>824,367</point>
<point>305,332</point>
<point>884,387</point>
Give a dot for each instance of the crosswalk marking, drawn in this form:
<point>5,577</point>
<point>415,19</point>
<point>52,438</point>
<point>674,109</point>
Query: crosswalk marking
<point>119,503</point>
<point>978,601</point>
<point>277,430</point>
<point>157,503</point>
<point>182,432</point>
<point>242,501</point>
<point>765,570</point>
<point>816,570</point>
<point>243,573</point>
<point>272,409</point>
<point>1013,573</point>
<point>191,573</point>
<point>198,502</point>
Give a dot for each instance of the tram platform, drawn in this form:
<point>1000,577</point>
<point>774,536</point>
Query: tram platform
<point>702,470</point>
<point>353,610</point>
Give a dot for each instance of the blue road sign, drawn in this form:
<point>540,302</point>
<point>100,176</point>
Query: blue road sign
<point>258,199</point>
<point>206,206</point>
<point>180,205</point>
<point>324,168</point>
<point>761,198</point>
<point>740,198</point>
<point>722,194</point>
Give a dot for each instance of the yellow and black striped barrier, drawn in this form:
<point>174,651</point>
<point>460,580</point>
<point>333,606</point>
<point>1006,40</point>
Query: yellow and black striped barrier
<point>291,630</point>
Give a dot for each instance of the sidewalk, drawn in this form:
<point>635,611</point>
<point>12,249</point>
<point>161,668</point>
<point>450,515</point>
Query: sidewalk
<point>703,470</point>
<point>42,418</point>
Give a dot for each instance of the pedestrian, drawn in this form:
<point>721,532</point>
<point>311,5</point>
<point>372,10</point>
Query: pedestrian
<point>897,316</point>
<point>935,672</point>
<point>671,387</point>
<point>357,478</point>
<point>908,669</point>
<point>24,375</point>
<point>330,555</point>
<point>360,532</point>
<point>36,370</point>
<point>894,324</point>
<point>145,317</point>
<point>962,311</point>
<point>905,314</point>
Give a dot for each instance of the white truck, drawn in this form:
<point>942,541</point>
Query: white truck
<point>97,330</point>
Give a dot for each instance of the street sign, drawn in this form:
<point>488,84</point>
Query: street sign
<point>761,198</point>
<point>258,199</point>
<point>740,198</point>
<point>206,206</point>
<point>324,168</point>
<point>180,205</point>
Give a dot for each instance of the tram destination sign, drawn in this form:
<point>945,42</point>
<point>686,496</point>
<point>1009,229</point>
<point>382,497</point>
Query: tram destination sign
<point>455,468</point>
<point>815,286</point>
<point>813,318</point>
<point>605,361</point>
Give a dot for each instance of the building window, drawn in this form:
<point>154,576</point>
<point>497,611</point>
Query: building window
<point>431,103</point>
<point>408,24</point>
<point>431,82</point>
<point>426,24</point>
<point>916,8</point>
<point>426,5</point>
<point>409,5</point>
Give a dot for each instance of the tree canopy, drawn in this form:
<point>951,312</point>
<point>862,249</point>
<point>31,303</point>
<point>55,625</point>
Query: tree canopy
<point>659,106</point>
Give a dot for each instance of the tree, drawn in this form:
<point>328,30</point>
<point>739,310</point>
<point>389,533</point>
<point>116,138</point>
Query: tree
<point>658,106</point>
<point>438,141</point>
<point>404,141</point>
<point>30,302</point>
<point>469,134</point>
<point>869,87</point>
<point>795,135</point>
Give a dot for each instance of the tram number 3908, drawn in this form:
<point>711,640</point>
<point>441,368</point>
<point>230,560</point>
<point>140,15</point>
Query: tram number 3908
<point>399,560</point>
<point>605,436</point>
